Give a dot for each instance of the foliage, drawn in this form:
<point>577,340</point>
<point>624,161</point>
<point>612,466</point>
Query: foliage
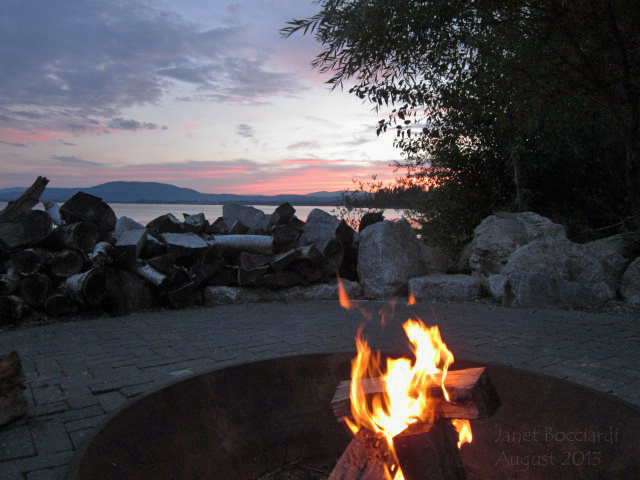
<point>499,104</point>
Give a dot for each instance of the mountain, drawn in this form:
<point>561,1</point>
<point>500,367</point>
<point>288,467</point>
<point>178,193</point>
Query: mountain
<point>154,192</point>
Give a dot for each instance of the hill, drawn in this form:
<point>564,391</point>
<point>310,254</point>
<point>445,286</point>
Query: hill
<point>155,192</point>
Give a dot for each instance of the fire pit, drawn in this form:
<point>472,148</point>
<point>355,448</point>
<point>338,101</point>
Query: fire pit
<point>243,421</point>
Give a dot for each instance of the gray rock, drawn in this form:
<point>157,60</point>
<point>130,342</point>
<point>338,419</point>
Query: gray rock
<point>630,284</point>
<point>499,235</point>
<point>461,264</point>
<point>540,290</point>
<point>617,251</point>
<point>496,284</point>
<point>560,261</point>
<point>446,288</point>
<point>256,220</point>
<point>388,256</point>
<point>320,291</point>
<point>434,259</point>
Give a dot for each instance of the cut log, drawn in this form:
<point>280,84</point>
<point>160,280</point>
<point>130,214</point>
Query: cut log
<point>237,228</point>
<point>86,288</point>
<point>349,265</point>
<point>188,295</point>
<point>31,228</point>
<point>25,202</point>
<point>102,254</point>
<point>195,223</point>
<point>250,277</point>
<point>13,403</point>
<point>125,251</point>
<point>471,392</point>
<point>344,233</point>
<point>126,292</point>
<point>149,245</point>
<point>34,289</point>
<point>334,252</point>
<point>30,260</point>
<point>366,458</point>
<point>205,265</point>
<point>165,224</point>
<point>281,215</point>
<point>226,277</point>
<point>184,245</point>
<point>249,261</point>
<point>282,279</point>
<point>11,309</point>
<point>57,304</point>
<point>53,210</point>
<point>65,263</point>
<point>83,207</point>
<point>150,274</point>
<point>81,236</point>
<point>369,219</point>
<point>296,223</point>
<point>219,227</point>
<point>284,259</point>
<point>163,263</point>
<point>244,243</point>
<point>432,455</point>
<point>312,273</point>
<point>9,282</point>
<point>284,237</point>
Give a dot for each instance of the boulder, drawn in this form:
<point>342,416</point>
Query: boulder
<point>630,284</point>
<point>499,235</point>
<point>322,227</point>
<point>446,288</point>
<point>539,290</point>
<point>565,266</point>
<point>256,220</point>
<point>461,264</point>
<point>434,259</point>
<point>389,255</point>
<point>617,251</point>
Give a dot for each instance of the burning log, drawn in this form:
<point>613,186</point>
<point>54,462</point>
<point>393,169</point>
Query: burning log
<point>366,458</point>
<point>65,263</point>
<point>432,455</point>
<point>13,403</point>
<point>25,202</point>
<point>34,289</point>
<point>471,392</point>
<point>86,288</point>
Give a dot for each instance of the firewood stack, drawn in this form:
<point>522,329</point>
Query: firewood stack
<point>79,257</point>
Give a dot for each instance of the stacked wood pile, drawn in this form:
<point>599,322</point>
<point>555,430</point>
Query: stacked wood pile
<point>79,257</point>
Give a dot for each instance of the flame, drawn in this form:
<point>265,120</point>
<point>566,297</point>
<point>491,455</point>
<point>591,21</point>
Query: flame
<point>463,427</point>
<point>342,295</point>
<point>404,400</point>
<point>412,299</point>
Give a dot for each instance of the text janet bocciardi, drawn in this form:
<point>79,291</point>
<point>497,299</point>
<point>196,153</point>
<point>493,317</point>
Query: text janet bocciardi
<point>548,434</point>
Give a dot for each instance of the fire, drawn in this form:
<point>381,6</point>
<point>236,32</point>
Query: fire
<point>405,399</point>
<point>463,427</point>
<point>412,299</point>
<point>342,295</point>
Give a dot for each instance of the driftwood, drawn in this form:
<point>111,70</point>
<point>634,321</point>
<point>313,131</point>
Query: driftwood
<point>25,202</point>
<point>87,288</point>
<point>471,392</point>
<point>13,403</point>
<point>65,263</point>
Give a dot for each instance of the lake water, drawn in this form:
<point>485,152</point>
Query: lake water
<point>145,212</point>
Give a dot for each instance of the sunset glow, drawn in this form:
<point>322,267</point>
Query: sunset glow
<point>197,94</point>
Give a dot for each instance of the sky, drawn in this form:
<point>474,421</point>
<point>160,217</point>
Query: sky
<point>203,94</point>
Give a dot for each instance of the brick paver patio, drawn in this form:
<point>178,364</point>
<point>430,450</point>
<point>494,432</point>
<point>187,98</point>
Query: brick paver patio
<point>79,372</point>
